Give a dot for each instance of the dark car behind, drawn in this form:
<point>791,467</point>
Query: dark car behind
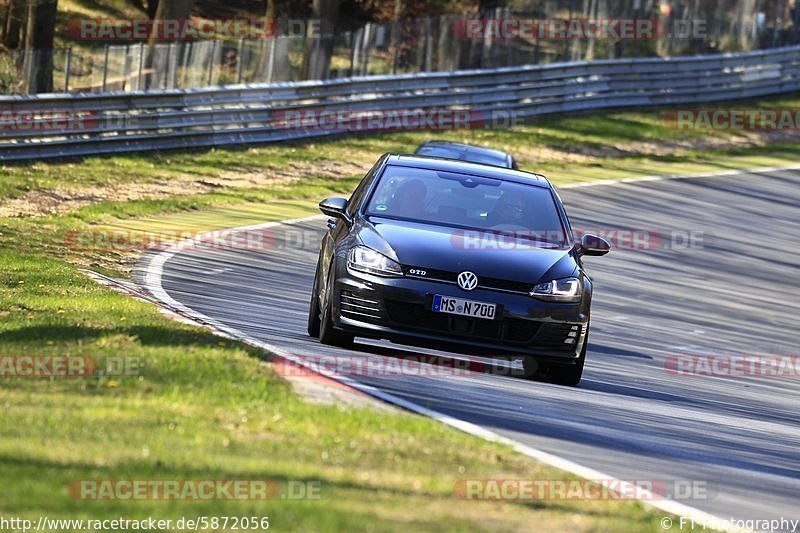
<point>467,152</point>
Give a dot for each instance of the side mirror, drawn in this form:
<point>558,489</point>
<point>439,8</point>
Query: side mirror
<point>334,207</point>
<point>594,245</point>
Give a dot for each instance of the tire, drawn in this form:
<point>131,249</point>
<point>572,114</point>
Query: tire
<point>328,334</point>
<point>313,308</point>
<point>530,368</point>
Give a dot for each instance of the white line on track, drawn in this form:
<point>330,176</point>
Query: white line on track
<point>639,179</point>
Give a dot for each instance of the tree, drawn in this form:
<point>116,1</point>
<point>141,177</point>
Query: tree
<point>152,8</point>
<point>270,10</point>
<point>15,23</point>
<point>39,34</point>
<point>319,46</point>
<point>148,6</point>
<point>168,9</point>
<point>172,9</point>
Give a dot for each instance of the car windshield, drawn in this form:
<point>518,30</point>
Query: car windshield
<point>463,155</point>
<point>470,202</point>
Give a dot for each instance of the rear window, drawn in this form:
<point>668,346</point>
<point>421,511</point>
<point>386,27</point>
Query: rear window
<point>466,201</point>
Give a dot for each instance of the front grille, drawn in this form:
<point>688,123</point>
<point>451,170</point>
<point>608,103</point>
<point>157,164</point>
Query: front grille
<point>419,317</point>
<point>549,336</point>
<point>483,282</point>
<point>415,315</point>
<point>519,330</point>
<point>359,306</point>
<point>504,285</point>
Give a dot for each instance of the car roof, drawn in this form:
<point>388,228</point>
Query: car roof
<point>467,148</point>
<point>465,167</point>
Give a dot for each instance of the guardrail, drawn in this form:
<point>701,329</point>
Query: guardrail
<point>251,114</point>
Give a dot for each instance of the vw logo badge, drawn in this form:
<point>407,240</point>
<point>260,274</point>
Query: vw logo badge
<point>467,280</point>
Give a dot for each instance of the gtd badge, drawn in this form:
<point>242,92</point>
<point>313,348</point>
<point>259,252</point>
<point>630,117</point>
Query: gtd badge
<point>467,280</point>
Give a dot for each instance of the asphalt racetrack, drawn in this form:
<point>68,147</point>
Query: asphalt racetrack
<point>721,279</point>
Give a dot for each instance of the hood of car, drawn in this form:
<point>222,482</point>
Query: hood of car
<point>454,250</point>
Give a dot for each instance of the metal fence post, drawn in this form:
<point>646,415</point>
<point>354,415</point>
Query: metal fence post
<point>166,72</point>
<point>239,62</point>
<point>427,47</point>
<point>271,63</point>
<point>141,65</point>
<point>67,69</point>
<point>354,44</point>
<point>105,68</point>
<point>126,70</point>
<point>397,38</point>
<point>211,60</point>
<point>365,52</point>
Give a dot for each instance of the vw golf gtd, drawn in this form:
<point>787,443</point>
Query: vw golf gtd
<point>440,253</point>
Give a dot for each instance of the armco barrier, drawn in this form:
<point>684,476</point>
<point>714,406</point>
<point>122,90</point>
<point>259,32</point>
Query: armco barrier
<point>246,114</point>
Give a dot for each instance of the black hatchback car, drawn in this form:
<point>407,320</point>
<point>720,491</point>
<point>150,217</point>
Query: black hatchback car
<point>447,254</point>
<point>467,152</point>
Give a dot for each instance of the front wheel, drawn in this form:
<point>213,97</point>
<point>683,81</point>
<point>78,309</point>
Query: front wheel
<point>313,308</point>
<point>569,375</point>
<point>328,334</point>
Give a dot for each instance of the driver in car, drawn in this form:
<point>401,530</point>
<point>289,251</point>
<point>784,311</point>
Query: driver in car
<point>509,210</point>
<point>409,199</point>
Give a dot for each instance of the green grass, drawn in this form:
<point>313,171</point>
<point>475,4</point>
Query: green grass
<point>206,408</point>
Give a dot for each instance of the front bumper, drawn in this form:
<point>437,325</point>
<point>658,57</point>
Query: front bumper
<point>399,309</point>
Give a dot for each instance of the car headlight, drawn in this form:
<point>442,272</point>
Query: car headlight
<point>367,260</point>
<point>559,290</point>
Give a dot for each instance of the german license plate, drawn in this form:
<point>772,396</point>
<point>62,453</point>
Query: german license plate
<point>458,306</point>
